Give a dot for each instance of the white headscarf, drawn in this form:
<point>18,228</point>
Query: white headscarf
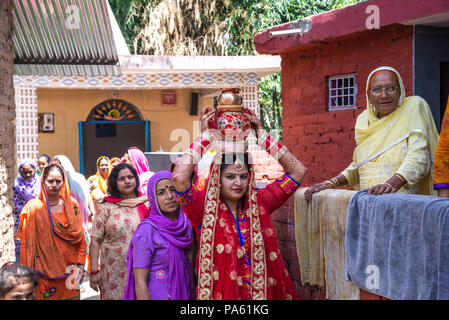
<point>79,189</point>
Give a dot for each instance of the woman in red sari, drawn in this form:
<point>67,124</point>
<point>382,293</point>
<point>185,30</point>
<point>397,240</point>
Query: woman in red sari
<point>238,257</point>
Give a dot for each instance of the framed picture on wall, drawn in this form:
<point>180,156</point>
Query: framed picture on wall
<point>46,122</point>
<point>169,98</point>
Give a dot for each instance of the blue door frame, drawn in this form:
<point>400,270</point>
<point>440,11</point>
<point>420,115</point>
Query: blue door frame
<point>80,133</point>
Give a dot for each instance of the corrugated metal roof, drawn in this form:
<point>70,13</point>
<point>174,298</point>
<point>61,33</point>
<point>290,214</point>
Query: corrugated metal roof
<point>63,37</point>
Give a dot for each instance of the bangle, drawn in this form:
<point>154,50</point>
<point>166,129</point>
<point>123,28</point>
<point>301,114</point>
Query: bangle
<point>200,146</point>
<point>262,137</point>
<point>95,272</point>
<point>271,145</point>
<point>336,183</point>
<point>330,182</point>
<point>400,177</point>
<point>386,183</point>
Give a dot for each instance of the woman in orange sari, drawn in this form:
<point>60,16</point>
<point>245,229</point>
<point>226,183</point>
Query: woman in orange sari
<point>441,165</point>
<point>52,236</point>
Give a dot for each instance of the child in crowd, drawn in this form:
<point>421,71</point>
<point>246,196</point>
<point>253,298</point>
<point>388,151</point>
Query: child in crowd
<point>17,282</point>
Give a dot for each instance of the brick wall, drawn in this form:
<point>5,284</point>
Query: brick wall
<point>323,140</point>
<point>266,168</point>
<point>7,134</point>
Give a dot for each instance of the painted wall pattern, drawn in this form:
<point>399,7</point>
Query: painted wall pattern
<point>140,80</point>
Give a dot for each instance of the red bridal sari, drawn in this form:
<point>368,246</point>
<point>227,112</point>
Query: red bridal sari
<point>239,260</point>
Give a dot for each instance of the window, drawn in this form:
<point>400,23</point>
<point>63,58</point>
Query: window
<point>342,92</point>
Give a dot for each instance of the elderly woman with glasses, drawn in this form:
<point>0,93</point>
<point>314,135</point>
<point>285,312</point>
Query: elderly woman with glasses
<point>395,139</point>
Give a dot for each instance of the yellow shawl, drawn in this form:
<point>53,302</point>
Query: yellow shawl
<point>98,178</point>
<point>374,136</point>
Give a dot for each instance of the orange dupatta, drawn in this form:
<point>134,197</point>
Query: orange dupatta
<point>441,164</point>
<point>41,233</point>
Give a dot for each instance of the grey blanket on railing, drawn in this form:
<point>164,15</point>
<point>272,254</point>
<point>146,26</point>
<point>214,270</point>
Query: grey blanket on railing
<point>397,245</point>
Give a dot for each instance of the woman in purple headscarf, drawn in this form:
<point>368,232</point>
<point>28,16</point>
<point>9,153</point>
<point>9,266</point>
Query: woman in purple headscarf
<point>157,261</point>
<point>26,187</point>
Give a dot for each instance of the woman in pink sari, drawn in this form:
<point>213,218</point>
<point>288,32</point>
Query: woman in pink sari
<point>136,158</point>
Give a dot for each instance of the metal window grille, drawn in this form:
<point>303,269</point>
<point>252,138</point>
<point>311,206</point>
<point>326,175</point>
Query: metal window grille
<point>26,122</point>
<point>342,92</point>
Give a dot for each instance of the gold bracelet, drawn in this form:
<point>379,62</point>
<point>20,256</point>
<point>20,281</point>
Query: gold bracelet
<point>336,182</point>
<point>330,183</point>
<point>389,185</point>
<point>333,182</point>
<point>400,177</point>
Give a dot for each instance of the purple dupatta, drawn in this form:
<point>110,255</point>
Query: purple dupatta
<point>178,235</point>
<point>25,189</point>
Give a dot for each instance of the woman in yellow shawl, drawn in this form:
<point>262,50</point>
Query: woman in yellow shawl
<point>98,182</point>
<point>395,138</point>
<point>52,238</point>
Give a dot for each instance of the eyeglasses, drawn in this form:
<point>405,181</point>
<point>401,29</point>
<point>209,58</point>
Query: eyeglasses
<point>377,91</point>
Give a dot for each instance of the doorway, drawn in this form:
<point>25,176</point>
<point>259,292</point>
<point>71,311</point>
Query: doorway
<point>112,127</point>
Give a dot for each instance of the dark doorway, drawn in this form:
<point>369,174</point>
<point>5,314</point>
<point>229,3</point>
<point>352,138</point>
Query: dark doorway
<point>112,127</point>
<point>444,88</point>
<point>127,134</point>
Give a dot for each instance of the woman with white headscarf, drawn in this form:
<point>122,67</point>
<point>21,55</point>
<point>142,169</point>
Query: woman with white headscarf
<point>79,189</point>
<point>396,138</point>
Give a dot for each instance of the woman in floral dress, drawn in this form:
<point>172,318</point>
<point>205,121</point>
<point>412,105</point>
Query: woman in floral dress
<point>113,226</point>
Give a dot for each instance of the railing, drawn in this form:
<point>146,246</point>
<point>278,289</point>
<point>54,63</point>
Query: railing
<point>398,244</point>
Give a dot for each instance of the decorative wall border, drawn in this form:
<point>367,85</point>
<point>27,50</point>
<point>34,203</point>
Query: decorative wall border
<point>26,96</point>
<point>142,81</point>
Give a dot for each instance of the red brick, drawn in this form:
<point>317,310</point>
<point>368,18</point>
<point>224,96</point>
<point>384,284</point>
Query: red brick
<point>332,149</point>
<point>289,141</point>
<point>324,139</point>
<point>310,119</point>
<point>313,128</point>
<point>297,131</point>
<point>322,158</point>
<point>344,115</point>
